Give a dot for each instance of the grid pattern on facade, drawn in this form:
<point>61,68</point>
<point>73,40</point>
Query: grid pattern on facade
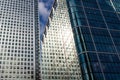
<point>17,51</point>
<point>97,23</point>
<point>59,58</point>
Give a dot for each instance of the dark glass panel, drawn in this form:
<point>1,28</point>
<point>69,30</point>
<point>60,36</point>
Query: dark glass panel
<point>108,57</point>
<point>84,68</point>
<point>95,67</point>
<point>86,77</point>
<point>112,20</point>
<point>118,48</point>
<point>74,2</point>
<point>102,40</point>
<point>100,32</point>
<point>115,33</point>
<point>87,39</point>
<point>118,15</point>
<point>92,12</point>
<point>117,76</point>
<point>95,18</point>
<point>108,76</point>
<point>82,58</point>
<point>78,39</point>
<point>110,14</point>
<point>90,3</point>
<point>105,5</point>
<point>111,67</point>
<point>105,47</point>
<point>110,62</point>
<point>106,67</point>
<point>73,9</point>
<point>78,15</point>
<point>99,24</point>
<point>115,58</point>
<point>76,9</point>
<point>116,39</point>
<point>111,76</point>
<point>84,64</point>
<point>81,22</point>
<point>78,19</point>
<point>113,26</point>
<point>74,23</point>
<point>93,57</point>
<point>98,76</point>
<point>90,46</point>
<point>85,30</point>
<point>116,4</point>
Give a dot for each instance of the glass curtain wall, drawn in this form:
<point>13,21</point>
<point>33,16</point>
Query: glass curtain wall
<point>96,27</point>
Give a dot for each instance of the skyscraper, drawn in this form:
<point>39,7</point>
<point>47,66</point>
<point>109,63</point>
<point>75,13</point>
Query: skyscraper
<point>59,60</point>
<point>96,28</point>
<point>19,40</point>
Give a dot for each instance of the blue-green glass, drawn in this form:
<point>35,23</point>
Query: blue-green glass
<point>116,4</point>
<point>96,24</point>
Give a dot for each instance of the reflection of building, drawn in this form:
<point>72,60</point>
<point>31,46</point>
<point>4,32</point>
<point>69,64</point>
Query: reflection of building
<point>59,59</point>
<point>19,36</point>
<point>96,27</point>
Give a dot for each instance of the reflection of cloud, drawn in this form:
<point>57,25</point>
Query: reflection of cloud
<point>43,11</point>
<point>48,3</point>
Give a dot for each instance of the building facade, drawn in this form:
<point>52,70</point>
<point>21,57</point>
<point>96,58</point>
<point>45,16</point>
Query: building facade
<point>19,40</point>
<point>96,28</point>
<point>59,59</point>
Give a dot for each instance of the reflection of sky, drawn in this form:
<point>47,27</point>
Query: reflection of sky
<point>44,8</point>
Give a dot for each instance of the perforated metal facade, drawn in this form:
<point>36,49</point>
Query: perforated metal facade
<point>19,39</point>
<point>59,59</point>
